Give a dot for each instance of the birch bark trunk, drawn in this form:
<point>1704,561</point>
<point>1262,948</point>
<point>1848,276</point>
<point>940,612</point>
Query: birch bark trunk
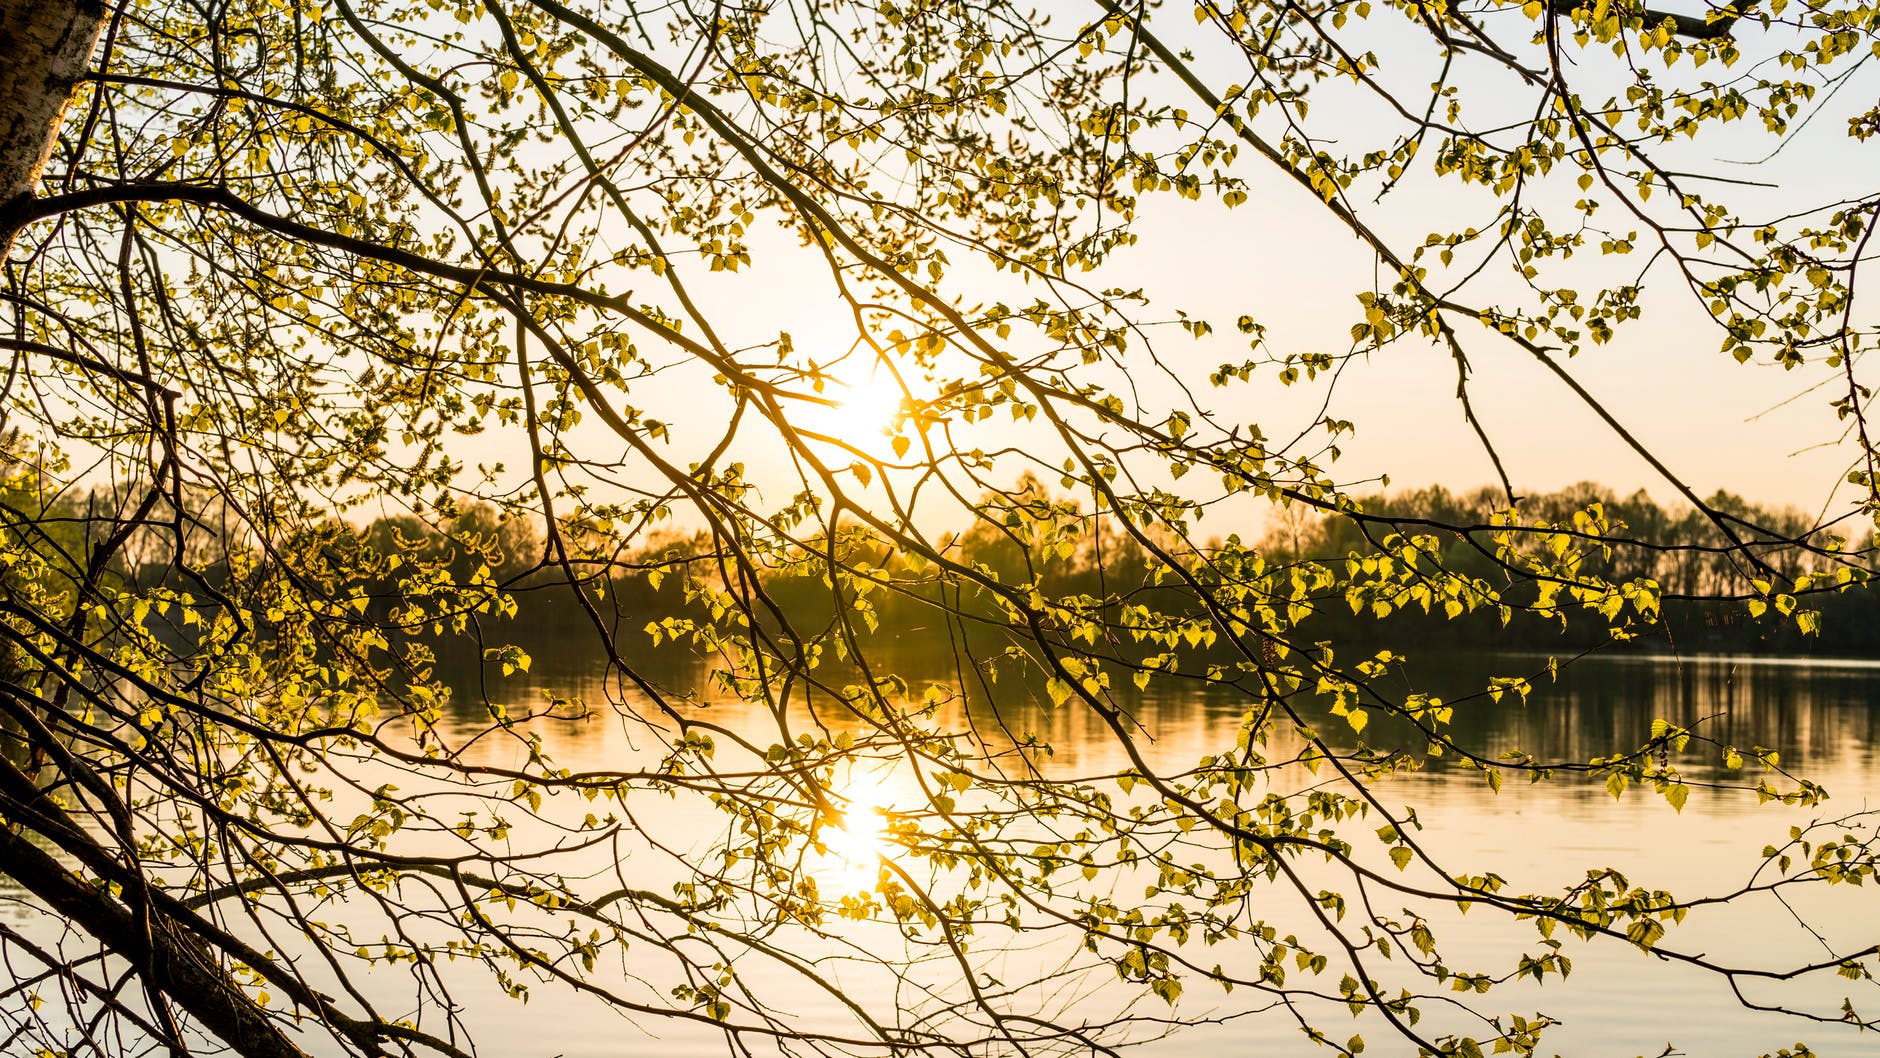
<point>45,46</point>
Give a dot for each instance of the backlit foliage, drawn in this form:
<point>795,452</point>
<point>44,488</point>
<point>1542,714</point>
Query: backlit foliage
<point>345,335</point>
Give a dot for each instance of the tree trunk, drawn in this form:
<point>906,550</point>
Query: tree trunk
<point>181,967</point>
<point>184,969</point>
<point>45,46</point>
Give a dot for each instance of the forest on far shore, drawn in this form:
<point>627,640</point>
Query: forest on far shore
<point>495,573</point>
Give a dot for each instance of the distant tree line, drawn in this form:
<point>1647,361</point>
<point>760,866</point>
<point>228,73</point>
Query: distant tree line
<point>1053,543</point>
<point>1698,571</point>
<point>478,568</point>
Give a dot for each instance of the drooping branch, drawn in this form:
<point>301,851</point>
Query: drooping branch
<point>181,965</point>
<point>295,332</point>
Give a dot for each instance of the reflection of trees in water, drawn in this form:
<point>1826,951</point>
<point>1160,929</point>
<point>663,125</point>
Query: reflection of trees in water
<point>1812,715</point>
<point>1817,716</point>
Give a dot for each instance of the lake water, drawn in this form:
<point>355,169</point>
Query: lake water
<point>1819,716</point>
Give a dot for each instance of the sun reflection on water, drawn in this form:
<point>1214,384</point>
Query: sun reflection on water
<point>854,842</point>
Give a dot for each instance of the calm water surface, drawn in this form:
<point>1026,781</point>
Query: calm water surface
<point>1820,716</point>
<point>1823,718</point>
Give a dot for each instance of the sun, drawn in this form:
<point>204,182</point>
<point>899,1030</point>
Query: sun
<point>864,411</point>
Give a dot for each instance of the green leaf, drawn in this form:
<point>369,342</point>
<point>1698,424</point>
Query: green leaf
<point>1677,793</point>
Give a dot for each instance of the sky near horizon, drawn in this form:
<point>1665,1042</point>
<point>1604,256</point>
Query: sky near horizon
<point>1753,429</point>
